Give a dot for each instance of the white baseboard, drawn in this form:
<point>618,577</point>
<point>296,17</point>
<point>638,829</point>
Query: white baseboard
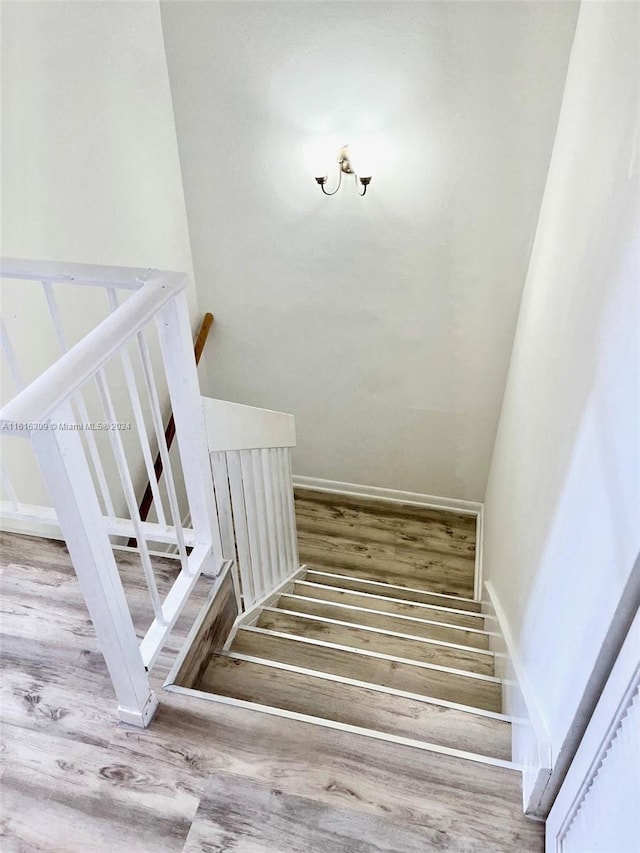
<point>478,576</point>
<point>376,492</point>
<point>29,527</point>
<point>530,741</point>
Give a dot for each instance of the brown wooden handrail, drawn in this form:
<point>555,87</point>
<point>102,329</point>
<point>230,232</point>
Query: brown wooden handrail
<point>169,433</point>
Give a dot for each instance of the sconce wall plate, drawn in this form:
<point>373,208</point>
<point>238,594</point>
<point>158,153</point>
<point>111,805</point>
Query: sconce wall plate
<point>345,168</point>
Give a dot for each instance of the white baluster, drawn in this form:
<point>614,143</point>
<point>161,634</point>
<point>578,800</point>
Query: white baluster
<point>283,514</point>
<point>223,504</point>
<point>156,415</point>
<point>134,396</point>
<point>174,332</point>
<point>256,541</point>
<point>262,520</point>
<point>236,488</point>
<point>80,404</point>
<point>270,515</point>
<point>293,533</point>
<point>130,495</point>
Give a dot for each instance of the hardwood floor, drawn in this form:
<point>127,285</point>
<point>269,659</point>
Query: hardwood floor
<point>236,814</point>
<point>396,543</point>
<point>74,780</point>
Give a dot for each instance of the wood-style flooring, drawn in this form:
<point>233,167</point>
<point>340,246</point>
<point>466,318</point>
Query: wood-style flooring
<point>237,814</point>
<point>75,780</point>
<point>402,544</point>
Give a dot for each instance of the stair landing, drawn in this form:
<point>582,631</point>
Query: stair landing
<point>397,543</point>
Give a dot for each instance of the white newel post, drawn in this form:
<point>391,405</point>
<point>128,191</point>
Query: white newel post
<point>64,467</point>
<point>175,335</point>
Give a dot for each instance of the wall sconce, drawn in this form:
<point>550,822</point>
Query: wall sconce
<point>345,168</point>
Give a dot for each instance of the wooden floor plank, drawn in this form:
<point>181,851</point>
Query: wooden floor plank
<point>475,808</point>
<point>241,815</point>
<point>91,787</point>
<point>425,570</point>
<point>375,528</point>
<point>397,515</point>
<point>423,547</point>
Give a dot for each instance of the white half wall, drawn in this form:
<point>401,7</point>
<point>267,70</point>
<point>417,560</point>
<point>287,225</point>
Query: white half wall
<point>562,509</point>
<point>384,323</point>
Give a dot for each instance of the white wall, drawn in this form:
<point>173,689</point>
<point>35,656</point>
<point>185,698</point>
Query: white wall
<point>89,165</point>
<point>562,510</point>
<point>383,324</point>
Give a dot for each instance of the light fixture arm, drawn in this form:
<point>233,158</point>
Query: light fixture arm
<point>345,168</point>
<point>365,183</point>
<point>322,182</point>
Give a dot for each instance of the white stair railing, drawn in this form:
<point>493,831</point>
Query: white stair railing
<point>251,468</point>
<point>88,471</point>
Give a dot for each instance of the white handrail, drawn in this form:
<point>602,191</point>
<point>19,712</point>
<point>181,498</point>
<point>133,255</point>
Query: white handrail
<point>232,426</point>
<point>127,278</point>
<point>42,413</point>
<point>73,369</point>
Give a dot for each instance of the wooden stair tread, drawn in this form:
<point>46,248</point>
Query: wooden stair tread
<point>395,674</point>
<point>307,694</point>
<point>457,686</point>
<point>392,606</point>
<point>382,621</point>
<point>360,636</point>
<point>330,577</point>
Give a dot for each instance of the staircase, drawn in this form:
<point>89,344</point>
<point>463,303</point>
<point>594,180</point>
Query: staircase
<point>377,634</point>
<point>359,640</point>
<point>378,639</point>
